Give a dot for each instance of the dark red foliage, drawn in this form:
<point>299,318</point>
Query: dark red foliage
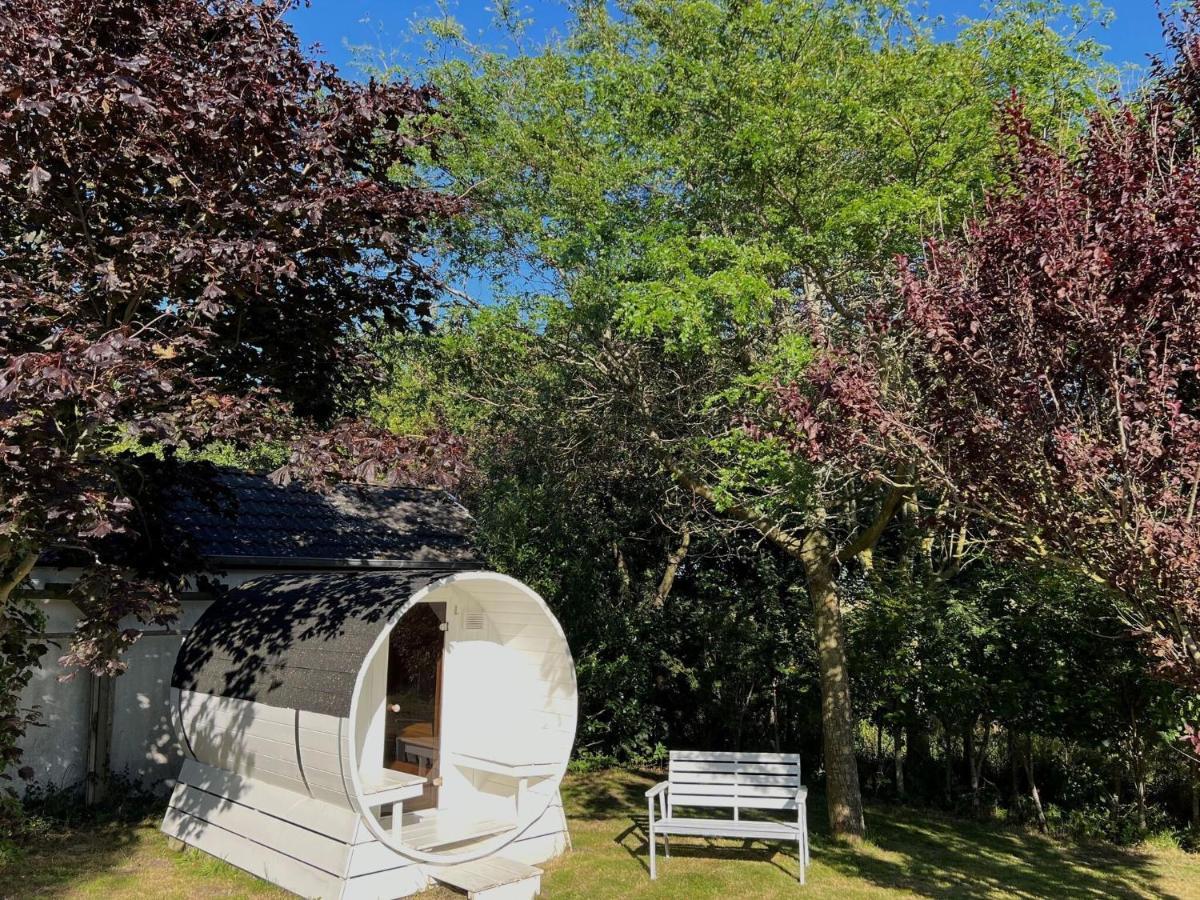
<point>1045,370</point>
<point>196,223</point>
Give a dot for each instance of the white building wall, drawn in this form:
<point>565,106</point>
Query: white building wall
<point>56,748</point>
<point>144,745</point>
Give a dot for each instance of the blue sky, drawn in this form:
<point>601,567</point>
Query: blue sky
<point>338,24</point>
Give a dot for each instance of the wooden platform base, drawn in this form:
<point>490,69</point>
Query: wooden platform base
<point>316,849</point>
<point>494,878</point>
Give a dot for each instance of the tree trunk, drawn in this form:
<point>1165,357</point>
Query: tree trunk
<point>969,759</point>
<point>674,560</point>
<point>978,761</point>
<point>1116,804</point>
<point>1033,789</point>
<point>1196,797</point>
<point>879,766</point>
<point>775,716</point>
<point>947,766</point>
<point>843,796</point>
<point>917,741</point>
<point>14,569</point>
<point>1014,774</point>
<point>1139,790</point>
<point>897,739</point>
<point>1137,773</point>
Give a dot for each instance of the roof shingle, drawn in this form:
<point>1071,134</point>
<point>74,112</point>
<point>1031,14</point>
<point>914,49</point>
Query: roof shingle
<point>260,520</point>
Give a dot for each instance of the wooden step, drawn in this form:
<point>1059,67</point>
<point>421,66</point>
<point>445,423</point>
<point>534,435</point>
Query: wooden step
<point>492,878</point>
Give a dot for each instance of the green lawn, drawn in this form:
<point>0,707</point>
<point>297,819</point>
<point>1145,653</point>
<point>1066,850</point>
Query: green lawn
<point>911,854</point>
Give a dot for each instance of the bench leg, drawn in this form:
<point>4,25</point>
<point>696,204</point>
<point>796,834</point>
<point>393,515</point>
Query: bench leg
<point>653,873</point>
<point>804,825</point>
<point>667,846</point>
<point>800,856</point>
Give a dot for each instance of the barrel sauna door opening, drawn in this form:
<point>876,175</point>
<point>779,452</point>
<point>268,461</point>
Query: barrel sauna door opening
<point>412,737</point>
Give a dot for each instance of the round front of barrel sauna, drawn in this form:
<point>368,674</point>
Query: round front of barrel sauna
<point>362,724</point>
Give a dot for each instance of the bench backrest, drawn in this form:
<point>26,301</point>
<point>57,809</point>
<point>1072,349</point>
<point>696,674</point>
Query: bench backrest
<point>733,780</point>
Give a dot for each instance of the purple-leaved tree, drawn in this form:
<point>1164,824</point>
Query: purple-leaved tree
<point>1044,371</point>
<point>197,223</point>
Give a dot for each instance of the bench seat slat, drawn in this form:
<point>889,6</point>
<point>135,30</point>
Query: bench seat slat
<point>727,828</point>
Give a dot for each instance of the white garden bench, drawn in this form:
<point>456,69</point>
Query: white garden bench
<point>737,781</point>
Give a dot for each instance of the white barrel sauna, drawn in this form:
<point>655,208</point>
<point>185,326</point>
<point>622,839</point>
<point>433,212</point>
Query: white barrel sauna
<point>355,734</point>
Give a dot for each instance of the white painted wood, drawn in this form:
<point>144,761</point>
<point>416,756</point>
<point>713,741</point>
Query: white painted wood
<point>540,849</point>
<point>729,777</point>
<point>730,802</point>
<point>505,759</point>
<point>324,818</point>
<point>542,841</point>
<point>756,768</point>
<point>371,714</point>
<point>733,756</point>
<point>371,856</point>
<point>323,744</point>
<point>386,885</point>
<point>746,792</point>
<point>725,780</point>
<point>240,736</point>
<point>393,787</point>
<point>318,850</point>
<point>482,874</point>
<point>509,710</point>
<point>728,828</point>
<point>428,832</point>
<point>286,871</point>
<point>297,783</point>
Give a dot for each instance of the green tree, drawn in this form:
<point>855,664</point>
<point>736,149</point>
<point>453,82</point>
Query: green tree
<point>679,197</point>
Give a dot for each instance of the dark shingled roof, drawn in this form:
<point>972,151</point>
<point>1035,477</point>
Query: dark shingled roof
<point>257,522</point>
<point>294,641</point>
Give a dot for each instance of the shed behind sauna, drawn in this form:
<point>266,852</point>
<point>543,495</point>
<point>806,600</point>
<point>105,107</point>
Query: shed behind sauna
<point>357,733</point>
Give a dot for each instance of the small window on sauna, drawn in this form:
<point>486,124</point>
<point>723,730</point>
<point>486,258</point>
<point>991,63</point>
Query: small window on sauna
<point>412,737</point>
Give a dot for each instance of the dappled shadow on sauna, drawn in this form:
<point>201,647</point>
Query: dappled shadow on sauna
<point>294,641</point>
<point>956,858</point>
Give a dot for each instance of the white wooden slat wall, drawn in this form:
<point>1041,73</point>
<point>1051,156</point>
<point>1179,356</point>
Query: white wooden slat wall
<point>324,743</point>
<point>244,737</point>
<point>538,702</point>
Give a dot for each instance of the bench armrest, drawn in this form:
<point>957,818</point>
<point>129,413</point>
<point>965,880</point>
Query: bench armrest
<point>657,789</point>
<point>801,794</point>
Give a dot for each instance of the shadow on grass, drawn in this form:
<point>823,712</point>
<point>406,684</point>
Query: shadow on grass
<point>60,859</point>
<point>941,856</point>
<point>913,850</point>
<point>65,841</point>
<point>608,794</point>
<point>634,840</point>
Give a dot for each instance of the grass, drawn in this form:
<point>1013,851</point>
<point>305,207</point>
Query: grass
<point>911,853</point>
